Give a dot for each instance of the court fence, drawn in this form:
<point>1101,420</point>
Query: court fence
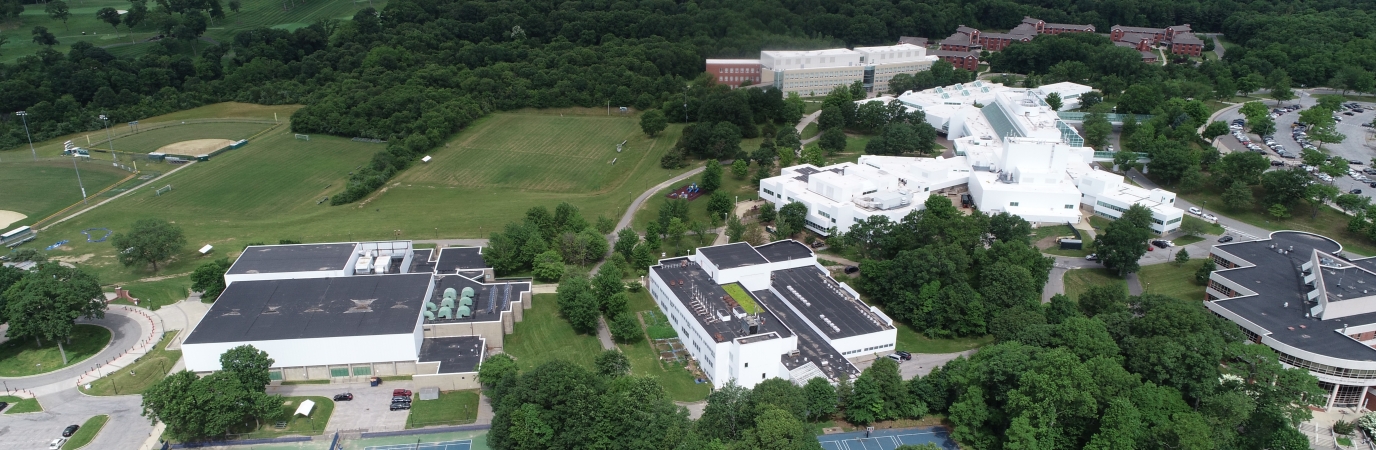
<point>434,430</point>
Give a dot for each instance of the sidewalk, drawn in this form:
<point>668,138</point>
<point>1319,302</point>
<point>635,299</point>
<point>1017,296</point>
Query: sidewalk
<point>152,327</point>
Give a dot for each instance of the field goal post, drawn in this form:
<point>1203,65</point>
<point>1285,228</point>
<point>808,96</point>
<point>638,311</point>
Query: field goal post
<point>163,190</point>
<point>304,137</point>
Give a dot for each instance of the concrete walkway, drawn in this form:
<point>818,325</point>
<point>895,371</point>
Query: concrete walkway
<point>604,334</point>
<point>132,333</point>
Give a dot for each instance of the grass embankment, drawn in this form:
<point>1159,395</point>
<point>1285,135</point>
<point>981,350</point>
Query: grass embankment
<point>1172,280</point>
<point>312,425</point>
<point>86,433</point>
<point>1329,222</point>
<point>1080,280</point>
<point>24,357</point>
<point>543,336</point>
<point>160,293</point>
<point>452,408</point>
<point>143,373</point>
<point>20,405</point>
<point>270,189</point>
<point>678,382</point>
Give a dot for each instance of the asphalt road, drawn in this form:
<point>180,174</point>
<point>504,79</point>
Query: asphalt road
<point>126,429</point>
<point>124,334</point>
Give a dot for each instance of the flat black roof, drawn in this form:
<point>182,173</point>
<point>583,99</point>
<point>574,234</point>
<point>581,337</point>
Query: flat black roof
<point>455,354</point>
<point>421,262</point>
<point>457,258</point>
<point>712,297</point>
<point>837,315</point>
<point>489,300</point>
<point>784,250</point>
<point>293,258</point>
<point>812,347</point>
<point>1279,306</point>
<point>731,256</point>
<point>314,308</point>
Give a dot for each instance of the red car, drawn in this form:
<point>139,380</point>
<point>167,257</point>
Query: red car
<point>401,392</point>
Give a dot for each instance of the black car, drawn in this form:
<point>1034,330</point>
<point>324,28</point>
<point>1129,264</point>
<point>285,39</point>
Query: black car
<point>904,355</point>
<point>1159,243</point>
<point>406,400</point>
<point>852,269</point>
<point>71,429</point>
<point>343,397</point>
<point>1373,184</point>
<point>1225,239</point>
<point>400,405</point>
<point>1355,191</point>
<point>1277,163</point>
<point>4,405</point>
<point>1355,162</point>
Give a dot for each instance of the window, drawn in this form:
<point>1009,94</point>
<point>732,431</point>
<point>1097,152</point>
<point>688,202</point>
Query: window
<point>275,375</point>
<point>747,364</point>
<point>360,371</point>
<point>1012,203</point>
<point>339,372</point>
<point>1069,206</point>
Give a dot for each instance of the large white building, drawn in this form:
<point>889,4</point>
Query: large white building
<point>345,312</point>
<point>1012,153</point>
<point>817,72</point>
<point>804,324</point>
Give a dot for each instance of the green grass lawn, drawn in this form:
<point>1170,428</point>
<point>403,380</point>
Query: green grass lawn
<point>543,336</point>
<point>23,357</point>
<point>909,340</point>
<point>253,14</point>
<point>1175,281</point>
<point>1187,240</point>
<point>147,370</point>
<point>1329,222</point>
<point>296,425</point>
<point>20,405</point>
<point>1344,441</point>
<point>740,189</point>
<point>153,140</point>
<point>810,130</point>
<point>1209,227</point>
<point>452,408</point>
<point>38,189</point>
<point>678,382</point>
<point>86,433</point>
<point>156,294</point>
<point>738,294</point>
<point>1079,280</point>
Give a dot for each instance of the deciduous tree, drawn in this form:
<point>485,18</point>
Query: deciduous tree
<point>652,122</point>
<point>46,302</point>
<point>149,241</point>
<point>209,278</point>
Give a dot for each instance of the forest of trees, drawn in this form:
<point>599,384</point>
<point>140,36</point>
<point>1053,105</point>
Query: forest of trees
<point>417,71</point>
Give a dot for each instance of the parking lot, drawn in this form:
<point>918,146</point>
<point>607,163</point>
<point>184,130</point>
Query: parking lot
<point>367,411</point>
<point>1356,147</point>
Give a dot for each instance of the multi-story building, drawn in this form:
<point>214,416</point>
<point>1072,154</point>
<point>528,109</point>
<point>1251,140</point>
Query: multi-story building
<point>1056,28</point>
<point>998,41</point>
<point>817,72</point>
<point>734,72</point>
<point>1186,44</point>
<point>967,60</point>
<point>752,313</point>
<point>961,42</point>
<point>1298,294</point>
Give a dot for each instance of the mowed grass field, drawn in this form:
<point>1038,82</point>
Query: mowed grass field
<point>253,14</point>
<point>40,188</point>
<point>152,140</point>
<point>269,189</point>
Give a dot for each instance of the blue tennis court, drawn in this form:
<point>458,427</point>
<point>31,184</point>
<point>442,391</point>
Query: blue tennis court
<point>888,439</point>
<point>450,445</point>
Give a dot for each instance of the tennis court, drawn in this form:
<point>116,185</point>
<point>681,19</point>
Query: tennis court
<point>887,439</point>
<point>450,445</point>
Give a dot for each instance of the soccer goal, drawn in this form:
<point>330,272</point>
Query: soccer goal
<point>304,137</point>
<point>163,190</point>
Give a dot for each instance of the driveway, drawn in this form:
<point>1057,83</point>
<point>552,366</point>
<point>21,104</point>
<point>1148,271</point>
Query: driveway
<point>367,412</point>
<point>126,333</point>
<point>921,364</point>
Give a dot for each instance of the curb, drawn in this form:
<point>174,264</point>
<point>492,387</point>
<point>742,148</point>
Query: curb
<point>93,438</point>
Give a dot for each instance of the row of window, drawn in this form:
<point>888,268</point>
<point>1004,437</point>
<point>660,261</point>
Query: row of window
<point>1222,263</point>
<point>1112,207</point>
<point>767,191</point>
<point>739,70</point>
<point>867,349</point>
<point>1326,369</point>
<point>736,79</point>
<point>1222,289</point>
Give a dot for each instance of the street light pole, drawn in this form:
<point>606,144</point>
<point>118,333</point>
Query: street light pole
<point>24,115</point>
<point>110,137</point>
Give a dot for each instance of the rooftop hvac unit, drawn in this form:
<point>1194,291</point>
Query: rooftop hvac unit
<point>464,311</point>
<point>447,303</point>
<point>382,264</point>
<point>468,292</point>
<point>429,306</point>
<point>446,313</point>
<point>466,301</point>
<point>429,315</point>
<point>450,293</point>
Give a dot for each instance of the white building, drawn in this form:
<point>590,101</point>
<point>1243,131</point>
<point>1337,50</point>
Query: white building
<point>1012,152</point>
<point>349,311</point>
<point>816,72</point>
<point>805,324</point>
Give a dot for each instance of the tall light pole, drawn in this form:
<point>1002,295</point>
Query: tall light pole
<point>685,103</point>
<point>74,156</point>
<point>110,137</point>
<point>24,115</point>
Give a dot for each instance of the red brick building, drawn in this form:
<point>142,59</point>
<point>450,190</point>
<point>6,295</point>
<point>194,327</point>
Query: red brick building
<point>1119,32</point>
<point>960,42</point>
<point>998,41</point>
<point>1055,28</point>
<point>733,72</point>
<point>1186,44</point>
<point>962,60</point>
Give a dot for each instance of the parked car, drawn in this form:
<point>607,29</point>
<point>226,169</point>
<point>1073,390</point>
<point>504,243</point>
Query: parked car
<point>1355,162</point>
<point>401,392</point>
<point>1373,184</point>
<point>1355,191</point>
<point>905,355</point>
<point>401,399</point>
<point>1347,113</point>
<point>852,269</point>
<point>343,397</point>
<point>1196,211</point>
<point>57,443</point>
<point>4,405</point>
<point>400,405</point>
<point>1209,217</point>
<point>1092,257</point>
<point>1225,239</point>
<point>1159,243</point>
<point>1278,163</point>
<point>895,358</point>
<point>71,429</point>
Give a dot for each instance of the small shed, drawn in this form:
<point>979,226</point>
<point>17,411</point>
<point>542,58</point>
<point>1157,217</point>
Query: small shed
<point>306,407</point>
<point>1071,244</point>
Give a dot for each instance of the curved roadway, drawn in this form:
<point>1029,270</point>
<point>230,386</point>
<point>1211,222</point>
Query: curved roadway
<point>125,333</point>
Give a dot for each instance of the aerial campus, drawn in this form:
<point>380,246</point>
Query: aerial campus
<point>495,225</point>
